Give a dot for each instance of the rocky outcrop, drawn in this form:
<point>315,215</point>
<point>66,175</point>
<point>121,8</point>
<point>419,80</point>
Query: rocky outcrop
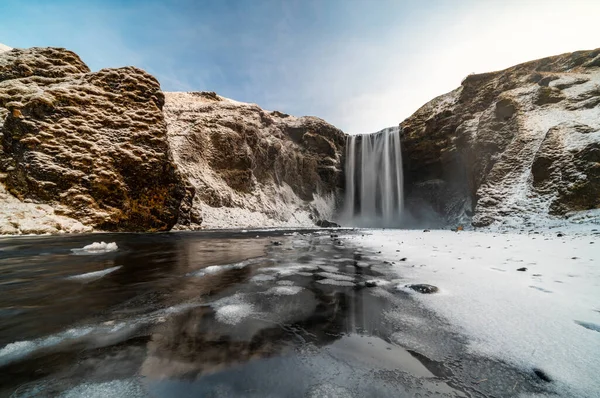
<point>513,147</point>
<point>251,167</point>
<point>91,145</point>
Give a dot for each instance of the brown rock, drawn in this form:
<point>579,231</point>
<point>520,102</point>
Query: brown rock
<point>91,144</point>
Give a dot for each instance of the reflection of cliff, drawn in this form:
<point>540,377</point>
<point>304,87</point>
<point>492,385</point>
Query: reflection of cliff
<point>196,342</point>
<point>193,344</point>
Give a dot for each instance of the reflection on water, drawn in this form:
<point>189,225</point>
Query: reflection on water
<point>203,314</point>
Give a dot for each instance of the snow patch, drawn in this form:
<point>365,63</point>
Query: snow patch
<point>234,313</point>
<point>335,282</point>
<point>90,276</point>
<point>284,290</point>
<point>213,269</point>
<point>97,248</point>
<point>501,314</point>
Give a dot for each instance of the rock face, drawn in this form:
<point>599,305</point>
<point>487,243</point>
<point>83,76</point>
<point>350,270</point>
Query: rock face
<point>251,167</point>
<point>92,145</point>
<point>513,147</point>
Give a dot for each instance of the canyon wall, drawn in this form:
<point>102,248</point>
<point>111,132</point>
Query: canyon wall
<point>82,150</point>
<point>517,147</point>
<point>251,167</point>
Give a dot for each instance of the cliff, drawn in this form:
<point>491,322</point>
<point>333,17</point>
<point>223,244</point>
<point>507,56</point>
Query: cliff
<point>251,167</point>
<point>84,146</point>
<point>516,147</point>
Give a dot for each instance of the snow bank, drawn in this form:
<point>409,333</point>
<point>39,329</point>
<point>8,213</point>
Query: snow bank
<point>538,318</point>
<point>97,248</point>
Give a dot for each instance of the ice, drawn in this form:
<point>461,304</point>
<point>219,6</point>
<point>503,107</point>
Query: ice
<point>262,278</point>
<point>284,290</point>
<point>335,282</point>
<point>234,313</point>
<point>213,269</point>
<point>91,276</point>
<point>330,275</point>
<point>21,349</point>
<point>233,309</point>
<point>114,388</point>
<point>502,315</point>
<point>97,248</point>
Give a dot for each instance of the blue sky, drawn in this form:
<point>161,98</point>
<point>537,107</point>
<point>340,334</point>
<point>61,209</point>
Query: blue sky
<point>360,64</point>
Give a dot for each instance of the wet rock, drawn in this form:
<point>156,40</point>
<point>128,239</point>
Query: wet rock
<point>276,243</point>
<point>560,235</point>
<point>370,284</point>
<point>522,269</point>
<point>542,375</point>
<point>426,230</point>
<point>424,288</point>
<point>402,259</point>
<point>326,224</point>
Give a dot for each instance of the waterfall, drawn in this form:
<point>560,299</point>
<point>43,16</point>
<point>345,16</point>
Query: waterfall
<point>374,192</point>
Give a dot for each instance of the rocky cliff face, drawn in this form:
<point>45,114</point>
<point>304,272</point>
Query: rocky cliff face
<point>91,145</point>
<point>251,167</point>
<point>513,147</point>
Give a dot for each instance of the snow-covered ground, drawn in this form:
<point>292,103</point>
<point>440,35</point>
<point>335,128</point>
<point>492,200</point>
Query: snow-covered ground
<point>546,317</point>
<point>4,47</point>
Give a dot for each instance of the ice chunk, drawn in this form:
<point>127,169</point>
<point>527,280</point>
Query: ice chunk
<point>97,248</point>
<point>234,313</point>
<point>92,276</point>
<point>284,290</point>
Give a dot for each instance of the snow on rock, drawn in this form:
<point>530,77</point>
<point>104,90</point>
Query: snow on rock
<point>97,248</point>
<point>4,48</point>
<point>509,148</point>
<point>17,217</point>
<point>92,145</point>
<point>544,318</point>
<point>251,167</point>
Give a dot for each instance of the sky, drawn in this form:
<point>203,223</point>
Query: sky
<point>362,65</point>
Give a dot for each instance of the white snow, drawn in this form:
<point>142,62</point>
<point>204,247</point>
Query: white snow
<point>90,276</point>
<point>338,277</point>
<point>234,313</point>
<point>25,218</point>
<point>233,309</point>
<point>335,282</point>
<point>546,317</point>
<point>284,290</point>
<point>4,48</point>
<point>213,269</point>
<point>97,248</point>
